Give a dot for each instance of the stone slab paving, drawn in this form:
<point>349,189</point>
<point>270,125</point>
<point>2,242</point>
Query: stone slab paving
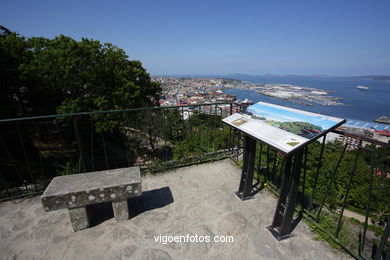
<point>197,200</point>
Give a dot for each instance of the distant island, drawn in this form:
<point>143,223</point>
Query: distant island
<point>376,77</point>
<point>296,94</point>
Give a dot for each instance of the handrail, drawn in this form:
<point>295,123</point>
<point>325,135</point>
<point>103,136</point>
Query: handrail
<point>361,137</point>
<point>110,111</point>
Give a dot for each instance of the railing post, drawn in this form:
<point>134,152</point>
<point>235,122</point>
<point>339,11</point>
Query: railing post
<point>13,162</point>
<point>92,140</point>
<point>78,137</point>
<point>331,180</point>
<point>259,162</point>
<point>303,201</point>
<point>274,167</point>
<point>267,164</point>
<point>313,194</point>
<point>230,141</point>
<point>369,199</point>
<point>347,192</point>
<point>25,156</point>
<point>40,150</point>
<point>4,184</point>
<point>383,241</point>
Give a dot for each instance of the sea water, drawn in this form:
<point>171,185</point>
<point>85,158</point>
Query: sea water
<point>358,104</point>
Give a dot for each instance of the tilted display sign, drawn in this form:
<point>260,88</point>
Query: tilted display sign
<point>288,131</point>
<point>285,129</point>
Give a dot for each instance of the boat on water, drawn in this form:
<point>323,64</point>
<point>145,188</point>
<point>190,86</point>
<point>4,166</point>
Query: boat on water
<point>362,87</point>
<point>245,101</point>
<point>383,120</point>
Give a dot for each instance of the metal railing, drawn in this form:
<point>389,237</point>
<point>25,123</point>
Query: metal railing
<point>33,150</point>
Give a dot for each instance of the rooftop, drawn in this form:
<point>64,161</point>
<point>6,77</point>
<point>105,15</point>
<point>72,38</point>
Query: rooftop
<point>196,200</point>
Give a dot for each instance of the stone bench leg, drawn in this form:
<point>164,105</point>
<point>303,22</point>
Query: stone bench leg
<point>121,210</point>
<point>79,218</point>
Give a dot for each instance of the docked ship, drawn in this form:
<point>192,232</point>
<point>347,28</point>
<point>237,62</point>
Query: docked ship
<point>362,87</point>
<point>383,120</point>
<point>244,103</point>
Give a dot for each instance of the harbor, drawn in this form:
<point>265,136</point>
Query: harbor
<point>357,104</point>
<point>192,91</point>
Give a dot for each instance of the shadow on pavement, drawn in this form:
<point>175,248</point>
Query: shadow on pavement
<point>149,200</point>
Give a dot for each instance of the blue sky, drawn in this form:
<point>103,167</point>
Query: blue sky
<point>341,38</point>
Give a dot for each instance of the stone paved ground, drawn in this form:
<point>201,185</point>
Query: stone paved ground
<point>197,200</point>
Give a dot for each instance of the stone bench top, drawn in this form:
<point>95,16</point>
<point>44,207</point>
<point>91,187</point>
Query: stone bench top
<point>82,189</point>
<point>93,180</point>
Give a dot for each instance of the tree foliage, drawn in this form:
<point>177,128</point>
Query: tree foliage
<point>62,75</point>
<point>40,76</point>
<point>13,52</point>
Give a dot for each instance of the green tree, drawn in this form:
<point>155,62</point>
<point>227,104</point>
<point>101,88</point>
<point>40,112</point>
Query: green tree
<point>13,52</point>
<point>41,76</point>
<point>45,76</point>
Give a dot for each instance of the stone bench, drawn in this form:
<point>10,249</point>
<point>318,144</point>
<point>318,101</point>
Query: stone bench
<point>77,191</point>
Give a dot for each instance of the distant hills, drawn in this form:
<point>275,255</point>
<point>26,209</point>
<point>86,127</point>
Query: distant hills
<point>375,77</point>
<point>246,76</point>
<point>275,75</point>
<point>372,77</point>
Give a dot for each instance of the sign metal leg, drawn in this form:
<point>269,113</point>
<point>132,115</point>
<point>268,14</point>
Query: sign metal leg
<point>245,189</point>
<point>283,217</point>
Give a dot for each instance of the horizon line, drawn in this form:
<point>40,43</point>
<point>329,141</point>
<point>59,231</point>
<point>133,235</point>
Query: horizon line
<point>268,74</point>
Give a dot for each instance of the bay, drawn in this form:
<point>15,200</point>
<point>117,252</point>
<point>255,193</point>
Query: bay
<point>358,104</point>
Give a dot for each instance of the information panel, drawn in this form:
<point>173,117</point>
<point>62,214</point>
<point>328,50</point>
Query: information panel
<point>285,129</point>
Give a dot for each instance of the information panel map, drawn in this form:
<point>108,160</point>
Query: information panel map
<point>286,129</point>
